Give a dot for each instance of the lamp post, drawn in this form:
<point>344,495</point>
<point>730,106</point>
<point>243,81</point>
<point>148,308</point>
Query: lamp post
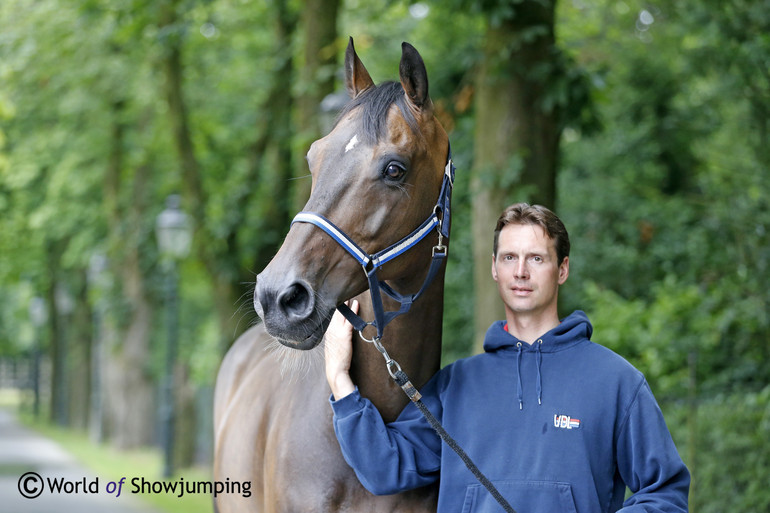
<point>331,104</point>
<point>174,235</point>
<point>38,314</point>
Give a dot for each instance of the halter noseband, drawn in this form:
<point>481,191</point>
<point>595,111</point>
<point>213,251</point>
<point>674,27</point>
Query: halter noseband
<point>439,219</point>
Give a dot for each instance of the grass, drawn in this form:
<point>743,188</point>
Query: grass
<point>111,464</point>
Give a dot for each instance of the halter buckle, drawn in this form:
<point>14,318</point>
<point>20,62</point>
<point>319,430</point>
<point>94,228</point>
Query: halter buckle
<point>369,265</point>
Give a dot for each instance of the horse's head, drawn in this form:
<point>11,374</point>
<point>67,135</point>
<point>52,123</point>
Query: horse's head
<point>376,176</point>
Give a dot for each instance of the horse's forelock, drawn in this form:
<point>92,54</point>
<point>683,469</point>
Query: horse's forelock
<point>375,103</point>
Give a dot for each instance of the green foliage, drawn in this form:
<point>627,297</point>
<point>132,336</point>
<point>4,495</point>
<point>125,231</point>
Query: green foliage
<point>668,211</point>
<point>458,294</point>
<point>17,336</point>
<point>686,254</point>
<point>663,181</point>
<point>658,335</point>
<point>737,449</point>
<point>731,468</point>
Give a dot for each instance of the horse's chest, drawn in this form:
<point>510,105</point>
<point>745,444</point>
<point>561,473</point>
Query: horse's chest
<point>308,472</point>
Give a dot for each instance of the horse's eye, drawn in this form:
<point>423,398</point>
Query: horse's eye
<point>394,171</point>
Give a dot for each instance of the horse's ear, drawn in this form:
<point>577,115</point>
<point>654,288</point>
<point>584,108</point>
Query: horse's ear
<point>414,78</point>
<point>357,79</point>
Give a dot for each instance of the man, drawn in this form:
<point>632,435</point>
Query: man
<point>555,421</point>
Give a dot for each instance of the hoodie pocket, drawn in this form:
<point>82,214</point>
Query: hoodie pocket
<point>524,496</point>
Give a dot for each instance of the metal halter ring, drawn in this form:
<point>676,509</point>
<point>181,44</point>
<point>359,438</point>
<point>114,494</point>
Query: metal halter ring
<point>374,340</point>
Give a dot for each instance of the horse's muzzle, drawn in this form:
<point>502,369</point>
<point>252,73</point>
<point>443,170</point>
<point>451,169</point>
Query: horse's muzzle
<point>288,312</point>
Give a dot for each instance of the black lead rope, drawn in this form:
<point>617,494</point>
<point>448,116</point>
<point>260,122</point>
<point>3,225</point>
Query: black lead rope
<point>414,395</point>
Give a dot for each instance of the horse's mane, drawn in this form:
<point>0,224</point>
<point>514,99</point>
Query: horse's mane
<point>375,103</point>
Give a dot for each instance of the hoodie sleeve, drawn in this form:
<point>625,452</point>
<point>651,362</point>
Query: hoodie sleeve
<point>648,460</point>
<point>390,458</point>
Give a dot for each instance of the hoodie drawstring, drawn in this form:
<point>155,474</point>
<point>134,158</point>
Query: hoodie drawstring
<point>539,361</point>
<point>539,357</point>
<point>519,390</point>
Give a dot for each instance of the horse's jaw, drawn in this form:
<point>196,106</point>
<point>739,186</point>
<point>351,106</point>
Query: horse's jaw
<point>301,343</point>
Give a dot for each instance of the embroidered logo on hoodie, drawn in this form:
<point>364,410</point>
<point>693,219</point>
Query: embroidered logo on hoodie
<point>565,422</point>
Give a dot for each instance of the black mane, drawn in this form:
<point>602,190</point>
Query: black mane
<point>375,103</point>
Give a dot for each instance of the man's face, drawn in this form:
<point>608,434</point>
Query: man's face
<point>527,272</point>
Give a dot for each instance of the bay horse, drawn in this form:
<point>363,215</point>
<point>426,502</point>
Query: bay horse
<point>376,177</point>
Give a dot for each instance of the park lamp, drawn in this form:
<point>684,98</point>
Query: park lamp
<point>329,107</point>
<point>97,265</point>
<point>172,229</point>
<point>38,313</point>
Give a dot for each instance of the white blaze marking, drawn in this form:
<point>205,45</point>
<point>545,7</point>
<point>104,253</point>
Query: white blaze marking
<point>351,144</point>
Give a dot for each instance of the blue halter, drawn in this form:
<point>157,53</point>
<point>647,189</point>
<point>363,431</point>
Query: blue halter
<point>439,219</point>
<point>370,264</point>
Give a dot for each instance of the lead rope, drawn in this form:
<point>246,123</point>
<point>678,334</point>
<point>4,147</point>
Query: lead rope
<point>402,380</point>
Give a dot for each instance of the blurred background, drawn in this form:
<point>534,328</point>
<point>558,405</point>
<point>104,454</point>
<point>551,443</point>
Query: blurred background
<point>152,157</point>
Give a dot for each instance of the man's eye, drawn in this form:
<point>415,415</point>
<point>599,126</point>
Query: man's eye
<point>394,171</point>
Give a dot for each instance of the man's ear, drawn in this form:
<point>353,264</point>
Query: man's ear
<point>494,269</point>
<point>564,270</point>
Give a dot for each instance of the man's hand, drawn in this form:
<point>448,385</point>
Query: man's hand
<point>338,352</point>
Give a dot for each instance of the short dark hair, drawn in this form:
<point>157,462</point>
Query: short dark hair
<point>538,215</point>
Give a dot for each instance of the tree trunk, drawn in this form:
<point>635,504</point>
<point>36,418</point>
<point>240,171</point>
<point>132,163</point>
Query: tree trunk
<point>172,68</point>
<point>516,141</point>
<point>58,347</point>
<point>272,162</point>
<point>270,167</point>
<point>185,430</point>
<point>79,361</point>
<point>127,385</point>
<point>317,78</point>
<point>270,170</point>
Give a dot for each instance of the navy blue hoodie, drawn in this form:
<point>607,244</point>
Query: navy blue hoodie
<point>561,425</point>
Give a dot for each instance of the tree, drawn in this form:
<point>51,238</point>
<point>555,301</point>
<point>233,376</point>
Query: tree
<point>219,242</point>
<point>316,79</point>
<point>57,163</point>
<point>517,130</point>
<point>670,204</point>
<point>127,187</point>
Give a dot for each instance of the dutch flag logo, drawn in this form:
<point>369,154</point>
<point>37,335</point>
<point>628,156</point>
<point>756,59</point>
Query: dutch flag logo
<point>565,422</point>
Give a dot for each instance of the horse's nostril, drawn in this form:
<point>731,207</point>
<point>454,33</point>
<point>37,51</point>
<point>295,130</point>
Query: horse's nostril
<point>296,300</point>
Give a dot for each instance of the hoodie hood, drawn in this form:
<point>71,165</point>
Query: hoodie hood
<point>571,330</point>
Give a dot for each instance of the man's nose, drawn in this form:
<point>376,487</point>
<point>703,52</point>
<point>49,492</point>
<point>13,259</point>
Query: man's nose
<point>521,269</point>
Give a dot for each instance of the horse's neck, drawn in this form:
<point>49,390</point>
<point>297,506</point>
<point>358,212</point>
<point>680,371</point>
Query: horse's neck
<point>413,340</point>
